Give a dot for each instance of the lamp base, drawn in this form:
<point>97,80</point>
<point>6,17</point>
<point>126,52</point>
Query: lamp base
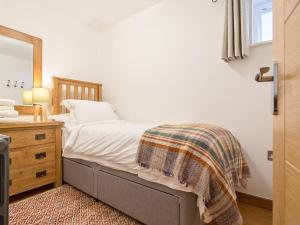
<point>42,112</point>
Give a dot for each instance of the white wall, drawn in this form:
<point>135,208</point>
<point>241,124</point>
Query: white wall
<point>163,65</point>
<point>69,46</point>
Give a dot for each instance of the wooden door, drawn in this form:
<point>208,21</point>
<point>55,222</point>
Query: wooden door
<point>286,50</point>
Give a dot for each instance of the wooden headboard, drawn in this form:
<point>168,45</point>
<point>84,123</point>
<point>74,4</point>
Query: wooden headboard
<point>64,88</point>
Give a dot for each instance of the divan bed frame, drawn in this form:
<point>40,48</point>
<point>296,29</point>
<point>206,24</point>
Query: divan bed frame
<point>147,202</point>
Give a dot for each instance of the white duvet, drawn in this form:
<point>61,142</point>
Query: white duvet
<point>110,143</point>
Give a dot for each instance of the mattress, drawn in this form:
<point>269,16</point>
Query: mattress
<point>113,144</point>
<point>110,143</point>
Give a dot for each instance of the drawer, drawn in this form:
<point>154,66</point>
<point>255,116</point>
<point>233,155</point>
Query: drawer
<point>32,177</point>
<point>31,156</point>
<point>29,137</point>
<point>138,201</point>
<point>72,171</point>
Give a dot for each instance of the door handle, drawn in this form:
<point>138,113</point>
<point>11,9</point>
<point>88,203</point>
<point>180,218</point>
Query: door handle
<point>275,88</point>
<point>260,77</point>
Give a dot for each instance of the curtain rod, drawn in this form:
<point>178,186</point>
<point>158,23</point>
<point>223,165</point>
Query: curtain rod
<point>214,1</point>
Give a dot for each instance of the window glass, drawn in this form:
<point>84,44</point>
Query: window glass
<point>262,27</point>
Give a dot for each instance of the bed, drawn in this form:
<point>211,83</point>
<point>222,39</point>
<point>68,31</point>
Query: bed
<point>148,202</point>
<point>95,162</point>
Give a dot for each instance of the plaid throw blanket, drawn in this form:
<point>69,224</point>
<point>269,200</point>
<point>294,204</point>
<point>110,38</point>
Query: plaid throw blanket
<point>206,158</point>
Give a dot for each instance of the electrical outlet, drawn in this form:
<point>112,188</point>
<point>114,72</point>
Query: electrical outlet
<point>270,155</point>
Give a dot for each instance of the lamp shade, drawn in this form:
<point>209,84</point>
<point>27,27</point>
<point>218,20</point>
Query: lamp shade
<point>40,96</point>
<point>27,97</point>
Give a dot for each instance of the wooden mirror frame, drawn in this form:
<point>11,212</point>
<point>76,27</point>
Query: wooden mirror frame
<point>37,59</point>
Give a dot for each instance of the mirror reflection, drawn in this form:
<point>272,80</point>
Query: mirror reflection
<point>16,68</point>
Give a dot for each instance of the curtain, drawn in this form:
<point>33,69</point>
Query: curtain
<point>235,41</point>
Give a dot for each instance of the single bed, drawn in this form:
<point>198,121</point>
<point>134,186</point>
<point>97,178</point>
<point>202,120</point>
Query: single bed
<point>148,202</point>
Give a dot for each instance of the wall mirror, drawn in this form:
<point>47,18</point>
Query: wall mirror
<point>20,65</point>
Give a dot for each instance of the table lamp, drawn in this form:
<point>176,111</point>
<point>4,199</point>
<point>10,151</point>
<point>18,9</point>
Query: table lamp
<point>27,97</point>
<point>40,100</point>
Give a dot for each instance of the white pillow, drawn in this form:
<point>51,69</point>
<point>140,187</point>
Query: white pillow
<point>89,111</point>
<point>60,117</point>
<point>69,123</point>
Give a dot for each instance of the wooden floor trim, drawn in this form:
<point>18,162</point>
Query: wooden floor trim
<point>254,200</point>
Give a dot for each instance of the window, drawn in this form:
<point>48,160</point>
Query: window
<point>262,21</point>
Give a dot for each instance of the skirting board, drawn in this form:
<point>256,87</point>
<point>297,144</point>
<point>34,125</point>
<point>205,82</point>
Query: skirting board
<point>256,201</point>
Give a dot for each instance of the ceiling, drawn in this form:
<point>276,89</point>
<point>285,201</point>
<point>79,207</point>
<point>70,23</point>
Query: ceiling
<point>99,14</point>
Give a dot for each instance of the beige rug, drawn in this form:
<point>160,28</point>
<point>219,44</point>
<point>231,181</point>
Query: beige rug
<point>65,205</point>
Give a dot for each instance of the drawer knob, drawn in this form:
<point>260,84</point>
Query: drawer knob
<point>41,155</point>
<point>9,161</point>
<point>40,136</point>
<point>41,174</point>
<point>10,182</point>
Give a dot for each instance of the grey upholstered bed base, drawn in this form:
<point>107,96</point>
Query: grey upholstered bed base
<point>149,203</point>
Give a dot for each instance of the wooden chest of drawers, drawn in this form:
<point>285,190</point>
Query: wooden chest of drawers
<point>34,155</point>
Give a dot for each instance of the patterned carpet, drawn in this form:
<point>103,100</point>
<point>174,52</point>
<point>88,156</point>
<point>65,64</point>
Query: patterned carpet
<point>65,206</point>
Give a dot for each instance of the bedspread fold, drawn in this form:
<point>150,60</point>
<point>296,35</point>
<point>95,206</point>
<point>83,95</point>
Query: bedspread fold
<point>206,158</point>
